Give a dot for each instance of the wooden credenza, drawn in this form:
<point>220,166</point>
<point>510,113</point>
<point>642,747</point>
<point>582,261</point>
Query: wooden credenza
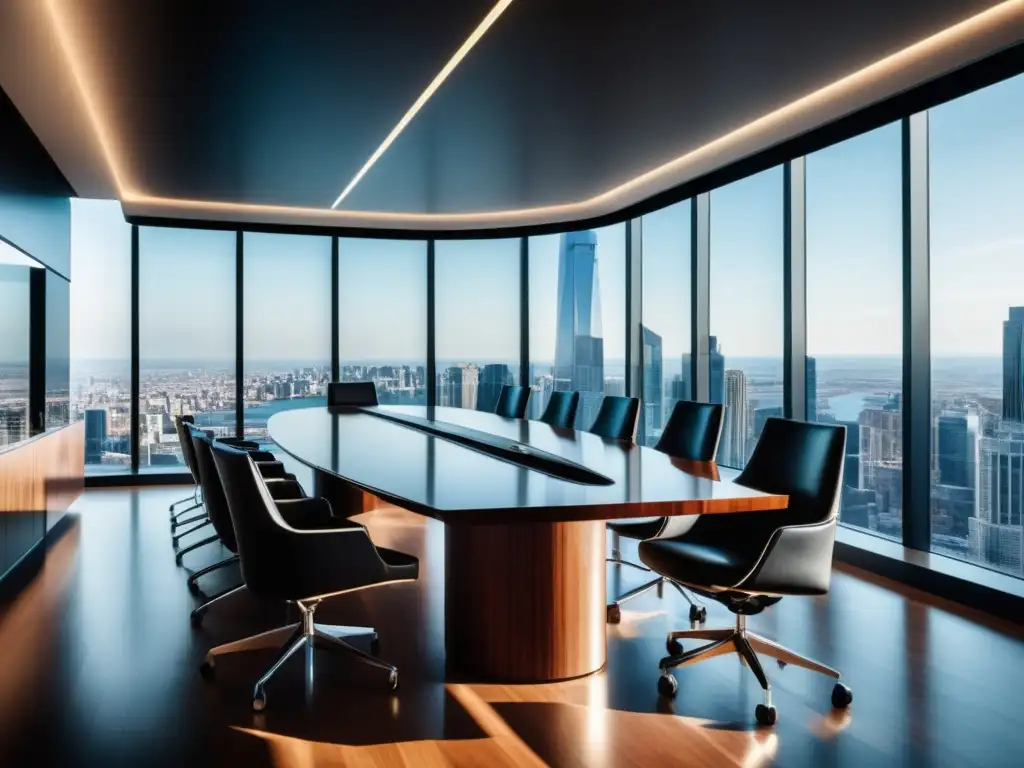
<point>39,479</point>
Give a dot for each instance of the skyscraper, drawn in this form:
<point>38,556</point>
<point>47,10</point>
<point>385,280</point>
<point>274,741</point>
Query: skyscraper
<point>811,388</point>
<point>651,416</point>
<point>579,342</point>
<point>734,434</point>
<point>95,435</point>
<point>716,368</point>
<point>1013,365</point>
<point>493,377</point>
<point>957,448</point>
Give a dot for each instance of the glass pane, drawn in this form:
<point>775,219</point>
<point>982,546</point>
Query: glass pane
<point>186,338</point>
<point>58,351</point>
<point>14,353</point>
<point>476,293</point>
<point>746,309</point>
<point>855,318</point>
<point>382,328</point>
<point>578,317</point>
<point>976,170</point>
<point>101,332</point>
<point>286,321</point>
<point>666,317</point>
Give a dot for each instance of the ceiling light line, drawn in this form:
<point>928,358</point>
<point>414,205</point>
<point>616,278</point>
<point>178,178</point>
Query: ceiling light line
<point>441,76</point>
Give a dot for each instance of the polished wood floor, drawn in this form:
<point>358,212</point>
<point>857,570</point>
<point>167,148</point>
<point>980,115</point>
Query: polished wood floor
<point>98,667</point>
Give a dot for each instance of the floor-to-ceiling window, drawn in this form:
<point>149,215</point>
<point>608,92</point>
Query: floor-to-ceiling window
<point>577,300</point>
<point>855,317</point>
<point>746,305</point>
<point>14,350</point>
<point>101,332</point>
<point>286,321</point>
<point>666,317</point>
<point>976,174</point>
<point>382,317</point>
<point>186,338</point>
<point>477,320</point>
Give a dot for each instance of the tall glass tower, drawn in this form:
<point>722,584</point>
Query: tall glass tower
<point>1013,365</point>
<point>579,342</point>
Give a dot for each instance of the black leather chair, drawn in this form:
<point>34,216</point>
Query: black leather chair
<point>194,498</point>
<point>616,418</point>
<point>269,465</point>
<point>692,432</point>
<point>512,402</point>
<point>281,562</point>
<point>749,561</point>
<point>561,409</point>
<point>351,394</point>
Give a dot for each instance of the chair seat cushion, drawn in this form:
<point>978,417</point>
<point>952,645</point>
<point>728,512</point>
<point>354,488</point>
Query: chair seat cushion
<point>691,562</point>
<point>637,527</point>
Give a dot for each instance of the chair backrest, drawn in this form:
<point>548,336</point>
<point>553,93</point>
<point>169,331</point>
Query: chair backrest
<point>693,431</point>
<point>182,424</point>
<point>213,492</point>
<point>512,402</point>
<point>561,409</point>
<point>616,419</point>
<point>803,460</point>
<point>351,394</point>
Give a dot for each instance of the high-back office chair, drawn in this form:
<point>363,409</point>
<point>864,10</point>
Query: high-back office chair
<point>281,562</point>
<point>351,394</point>
<point>283,488</point>
<point>616,418</point>
<point>194,498</point>
<point>561,409</point>
<point>692,432</point>
<point>749,561</point>
<point>512,402</point>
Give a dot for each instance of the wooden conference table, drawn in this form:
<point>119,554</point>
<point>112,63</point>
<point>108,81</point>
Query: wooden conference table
<point>524,506</point>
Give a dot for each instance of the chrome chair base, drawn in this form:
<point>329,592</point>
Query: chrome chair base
<point>178,537</point>
<point>747,645</point>
<point>613,612</point>
<point>294,637</point>
<point>182,552</point>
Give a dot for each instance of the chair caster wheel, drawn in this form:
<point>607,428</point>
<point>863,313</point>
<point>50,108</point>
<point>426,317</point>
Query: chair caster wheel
<point>781,663</point>
<point>259,701</point>
<point>613,614</point>
<point>393,680</point>
<point>667,685</point>
<point>842,696</point>
<point>375,644</point>
<point>766,715</point>
<point>698,613</point>
<point>196,618</point>
<point>207,670</point>
<point>673,646</point>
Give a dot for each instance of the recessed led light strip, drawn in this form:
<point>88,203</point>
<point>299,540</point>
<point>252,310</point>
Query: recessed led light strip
<point>441,76</point>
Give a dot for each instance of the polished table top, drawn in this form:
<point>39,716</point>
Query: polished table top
<point>457,483</point>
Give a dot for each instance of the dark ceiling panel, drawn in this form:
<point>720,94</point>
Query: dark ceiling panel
<point>260,101</point>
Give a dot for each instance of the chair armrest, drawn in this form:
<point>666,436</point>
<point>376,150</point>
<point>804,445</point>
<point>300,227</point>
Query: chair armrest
<point>240,443</point>
<point>262,456</point>
<point>797,560</point>
<point>284,489</point>
<point>271,469</point>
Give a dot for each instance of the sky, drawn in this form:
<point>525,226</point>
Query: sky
<point>854,276</point>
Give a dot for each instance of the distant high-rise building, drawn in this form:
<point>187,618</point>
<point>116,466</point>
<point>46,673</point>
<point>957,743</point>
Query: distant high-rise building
<point>811,388</point>
<point>651,416</point>
<point>716,368</point>
<point>459,385</point>
<point>956,438</point>
<point>734,433</point>
<point>579,341</point>
<point>761,415</point>
<point>95,435</point>
<point>1013,365</point>
<point>493,377</point>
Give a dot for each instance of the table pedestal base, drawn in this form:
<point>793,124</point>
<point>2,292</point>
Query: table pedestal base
<point>525,603</point>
